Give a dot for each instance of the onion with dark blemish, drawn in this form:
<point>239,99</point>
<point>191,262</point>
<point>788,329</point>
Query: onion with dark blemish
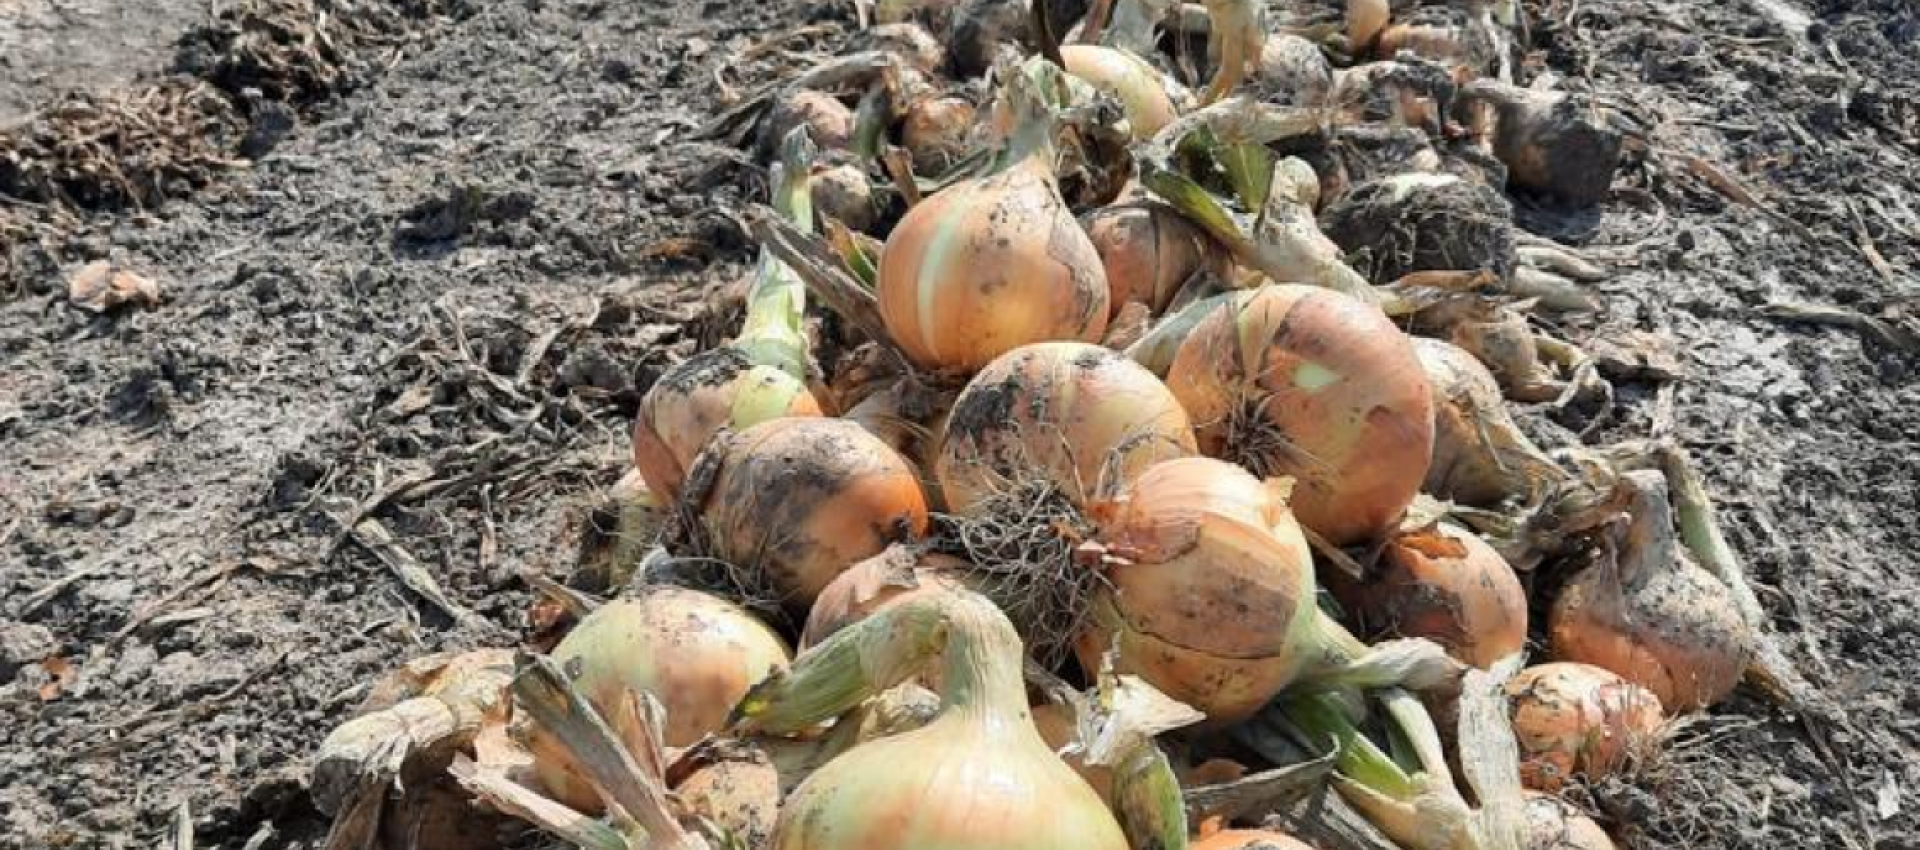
<point>1445,584</point>
<point>1575,719</point>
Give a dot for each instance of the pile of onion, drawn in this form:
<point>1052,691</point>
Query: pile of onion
<point>1076,418</point>
<point>1575,719</point>
<point>995,262</point>
<point>978,777</point>
<point>1446,584</point>
<point>1308,383</point>
<point>1210,588</point>
<point>697,654</point>
<point>798,501</point>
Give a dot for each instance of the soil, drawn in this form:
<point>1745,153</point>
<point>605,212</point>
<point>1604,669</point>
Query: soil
<point>434,304</point>
<point>54,45</point>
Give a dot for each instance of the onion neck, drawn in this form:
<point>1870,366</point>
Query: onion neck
<point>1647,546</point>
<point>772,333</point>
<point>981,678</point>
<point>1032,90</point>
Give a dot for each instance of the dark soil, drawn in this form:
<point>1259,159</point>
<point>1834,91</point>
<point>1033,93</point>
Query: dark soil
<point>435,303</point>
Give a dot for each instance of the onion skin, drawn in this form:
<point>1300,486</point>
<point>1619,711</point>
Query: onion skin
<point>1148,251</point>
<point>1448,585</point>
<point>935,131</point>
<point>694,400</point>
<point>1574,719</point>
<point>1137,85</point>
<point>1210,594</point>
<point>1305,382</point>
<point>1554,824</point>
<point>1248,839</point>
<point>739,791</point>
<point>697,654</point>
<point>1654,617</point>
<point>1293,71</point>
<point>886,579</point>
<point>1056,726</point>
<point>844,194</point>
<point>804,499</point>
<point>1480,457</point>
<point>828,121</point>
<point>1077,416</point>
<point>988,265</point>
<point>1365,20</point>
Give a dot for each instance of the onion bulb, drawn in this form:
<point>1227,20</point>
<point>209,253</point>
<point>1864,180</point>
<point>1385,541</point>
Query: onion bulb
<point>889,578</point>
<point>936,130</point>
<point>978,777</point>
<point>1148,251</point>
<point>1554,824</point>
<point>1365,20</point>
<point>1309,383</point>
<point>1058,728</point>
<point>1210,592</point>
<point>1247,839</point>
<point>1446,584</point>
<point>1649,613</point>
<point>801,500</point>
<point>735,788</point>
<point>759,375</point>
<point>697,654</point>
<point>1575,719</point>
<point>1075,417</point>
<point>995,262</point>
<point>1138,86</point>
<point>845,194</point>
<point>1480,457</point>
<point>829,122</point>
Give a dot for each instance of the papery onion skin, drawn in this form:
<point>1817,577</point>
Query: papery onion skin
<point>1309,383</point>
<point>1248,839</point>
<point>889,578</point>
<point>1654,617</point>
<point>1148,251</point>
<point>1210,595</point>
<point>1480,456</point>
<point>804,499</point>
<point>1573,719</point>
<point>1056,726</point>
<point>1554,824</point>
<point>739,792</point>
<point>695,653</point>
<point>1074,415</point>
<point>1137,85</point>
<point>1448,585</point>
<point>828,121</point>
<point>696,398</point>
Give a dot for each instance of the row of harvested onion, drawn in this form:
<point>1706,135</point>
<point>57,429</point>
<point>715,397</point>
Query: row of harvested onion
<point>1017,475</point>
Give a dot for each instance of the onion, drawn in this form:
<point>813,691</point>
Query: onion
<point>1651,614</point>
<point>889,578</point>
<point>1578,720</point>
<point>937,130</point>
<point>1305,382</point>
<point>905,39</point>
<point>1293,71</point>
<point>1415,221</point>
<point>843,193</point>
<point>1365,20</point>
<point>1073,417</point>
<point>1138,86</point>
<point>735,788</point>
<point>1148,251</point>
<point>697,654</point>
<point>1210,592</point>
<point>829,122</point>
<point>978,777</point>
<point>1445,584</point>
<point>1554,824</point>
<point>1248,839</point>
<point>1059,729</point>
<point>995,262</point>
<point>760,375</point>
<point>1480,457</point>
<point>800,500</point>
<point>1550,142</point>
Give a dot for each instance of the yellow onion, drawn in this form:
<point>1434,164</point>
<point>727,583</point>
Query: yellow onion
<point>1148,251</point>
<point>1480,456</point>
<point>1574,719</point>
<point>1646,611</point>
<point>1446,584</point>
<point>1058,728</point>
<point>1247,839</point>
<point>936,131</point>
<point>735,788</point>
<point>801,500</point>
<point>843,193</point>
<point>889,578</point>
<point>995,262</point>
<point>1210,592</point>
<point>1365,20</point>
<point>829,123</point>
<point>1554,824</point>
<point>977,777</point>
<point>1309,383</point>
<point>1076,417</point>
<point>759,375</point>
<point>1138,86</point>
<point>697,654</point>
